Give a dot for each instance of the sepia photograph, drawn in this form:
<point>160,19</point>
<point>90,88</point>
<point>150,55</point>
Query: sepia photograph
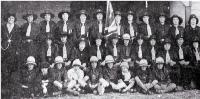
<point>108,49</point>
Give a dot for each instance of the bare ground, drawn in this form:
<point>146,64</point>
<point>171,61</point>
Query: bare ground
<point>188,94</point>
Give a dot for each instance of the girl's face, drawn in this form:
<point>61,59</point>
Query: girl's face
<point>99,16</point>
<point>146,19</point>
<point>153,42</point>
<point>193,21</point>
<point>114,41</point>
<point>124,69</point>
<point>130,17</point>
<point>49,41</point>
<point>59,65</point>
<point>30,18</point>
<point>162,19</point>
<point>144,68</point>
<point>30,66</point>
<point>110,65</point>
<point>81,46</point>
<point>47,17</point>
<point>175,21</point>
<point>160,66</point>
<point>11,19</point>
<point>83,17</point>
<point>118,18</point>
<point>44,70</point>
<point>180,41</point>
<point>167,46</point>
<point>64,39</point>
<point>140,41</point>
<point>98,42</point>
<point>76,68</point>
<point>126,42</point>
<point>65,16</point>
<point>94,64</point>
<point>195,44</point>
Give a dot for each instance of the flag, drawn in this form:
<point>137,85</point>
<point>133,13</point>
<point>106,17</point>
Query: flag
<point>110,24</point>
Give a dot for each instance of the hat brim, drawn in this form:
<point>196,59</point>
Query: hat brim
<point>95,14</point>
<point>26,15</point>
<point>179,18</point>
<point>59,62</point>
<point>144,65</point>
<point>78,15</point>
<point>60,14</point>
<point>43,14</point>
<point>8,15</point>
<point>31,63</point>
<point>141,17</point>
<point>195,18</point>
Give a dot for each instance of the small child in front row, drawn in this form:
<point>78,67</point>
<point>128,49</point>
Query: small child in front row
<point>94,72</point>
<point>44,80</point>
<point>76,77</point>
<point>144,78</point>
<point>126,77</point>
<point>161,74</point>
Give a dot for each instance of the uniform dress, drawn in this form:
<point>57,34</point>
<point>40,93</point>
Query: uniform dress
<point>94,75</point>
<point>184,54</point>
<point>62,29</point>
<point>97,28</point>
<point>110,50</point>
<point>27,78</point>
<point>94,51</point>
<point>143,29</point>
<point>195,63</point>
<point>174,70</point>
<point>44,77</point>
<point>59,75</point>
<point>190,32</point>
<point>153,54</point>
<point>137,55</point>
<point>67,51</point>
<point>132,29</point>
<point>48,53</point>
<point>161,32</point>
<point>172,32</point>
<point>9,51</point>
<point>29,31</point>
<point>127,78</point>
<point>111,75</point>
<point>83,56</point>
<point>45,30</point>
<point>162,76</point>
<point>82,29</point>
<point>144,76</point>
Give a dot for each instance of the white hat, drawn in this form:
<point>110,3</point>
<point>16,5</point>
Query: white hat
<point>124,64</point>
<point>109,59</point>
<point>76,62</point>
<point>143,62</point>
<point>31,60</point>
<point>126,36</point>
<point>160,60</point>
<point>93,59</point>
<point>58,59</point>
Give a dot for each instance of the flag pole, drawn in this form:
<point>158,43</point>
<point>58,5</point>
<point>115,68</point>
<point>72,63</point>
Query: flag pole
<point>146,4</point>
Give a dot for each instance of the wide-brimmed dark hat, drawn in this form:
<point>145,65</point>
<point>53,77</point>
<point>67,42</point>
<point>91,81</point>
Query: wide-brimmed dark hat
<point>114,36</point>
<point>82,12</point>
<point>63,34</point>
<point>8,15</point>
<point>62,12</point>
<point>193,16</point>
<point>139,36</point>
<point>29,13</point>
<point>176,16</point>
<point>145,13</point>
<point>44,65</point>
<point>46,12</point>
<point>82,38</point>
<point>167,40</point>
<point>195,39</point>
<point>179,36</point>
<point>98,36</point>
<point>99,11</point>
<point>152,37</point>
<point>118,13</point>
